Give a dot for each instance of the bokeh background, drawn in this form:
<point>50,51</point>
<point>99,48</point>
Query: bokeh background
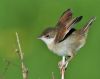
<point>29,18</point>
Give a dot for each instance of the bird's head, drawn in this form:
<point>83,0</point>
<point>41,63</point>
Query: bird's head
<point>48,35</point>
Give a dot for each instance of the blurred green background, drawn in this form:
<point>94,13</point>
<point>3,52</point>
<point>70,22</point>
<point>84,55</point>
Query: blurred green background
<point>29,18</point>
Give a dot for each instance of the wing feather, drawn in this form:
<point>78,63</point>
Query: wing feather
<point>65,17</point>
<point>63,30</point>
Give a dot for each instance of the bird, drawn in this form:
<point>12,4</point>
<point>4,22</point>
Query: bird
<point>64,39</point>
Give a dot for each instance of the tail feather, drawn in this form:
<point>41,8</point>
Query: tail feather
<point>88,24</point>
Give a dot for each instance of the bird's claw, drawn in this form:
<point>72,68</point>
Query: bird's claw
<point>62,65</point>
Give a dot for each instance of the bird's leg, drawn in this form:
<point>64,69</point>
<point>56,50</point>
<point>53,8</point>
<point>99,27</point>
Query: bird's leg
<point>68,59</point>
<point>63,64</point>
<point>65,60</point>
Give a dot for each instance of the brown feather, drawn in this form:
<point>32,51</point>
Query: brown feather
<point>62,31</point>
<point>65,17</point>
<point>87,25</point>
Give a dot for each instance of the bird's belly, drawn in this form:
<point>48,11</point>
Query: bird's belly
<point>67,47</point>
<point>61,49</point>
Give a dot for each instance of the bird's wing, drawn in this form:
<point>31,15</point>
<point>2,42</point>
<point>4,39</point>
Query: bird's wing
<point>65,17</point>
<point>65,24</point>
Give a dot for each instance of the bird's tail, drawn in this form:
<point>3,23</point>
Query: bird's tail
<point>87,25</point>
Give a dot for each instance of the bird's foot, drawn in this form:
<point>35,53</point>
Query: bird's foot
<point>62,65</point>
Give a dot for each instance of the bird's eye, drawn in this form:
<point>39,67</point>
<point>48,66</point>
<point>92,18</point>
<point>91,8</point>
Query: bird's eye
<point>47,36</point>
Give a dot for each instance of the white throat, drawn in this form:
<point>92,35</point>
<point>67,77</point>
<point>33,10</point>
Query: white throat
<point>48,41</point>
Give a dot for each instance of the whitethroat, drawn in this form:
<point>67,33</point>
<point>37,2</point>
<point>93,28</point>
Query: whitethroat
<point>63,39</point>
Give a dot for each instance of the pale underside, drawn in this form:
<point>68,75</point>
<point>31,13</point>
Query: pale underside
<point>70,45</point>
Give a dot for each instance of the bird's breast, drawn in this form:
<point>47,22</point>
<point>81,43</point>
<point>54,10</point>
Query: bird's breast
<point>69,45</point>
<point>60,48</point>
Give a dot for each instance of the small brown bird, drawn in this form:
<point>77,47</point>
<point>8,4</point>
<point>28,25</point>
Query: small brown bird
<point>64,40</point>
